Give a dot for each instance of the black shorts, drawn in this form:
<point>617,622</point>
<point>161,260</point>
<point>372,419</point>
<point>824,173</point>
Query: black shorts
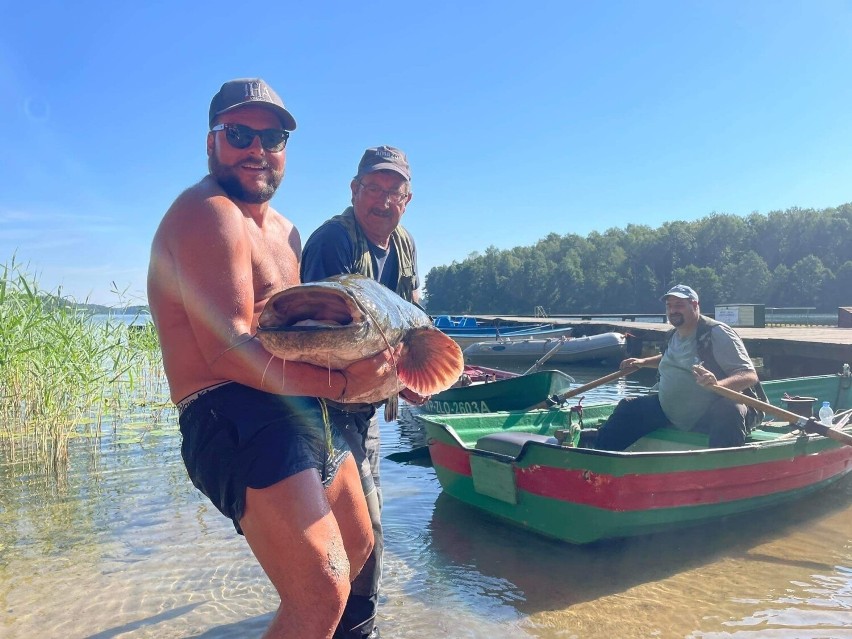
<point>236,437</point>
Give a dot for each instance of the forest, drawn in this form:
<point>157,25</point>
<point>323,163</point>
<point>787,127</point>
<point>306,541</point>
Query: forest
<point>793,258</point>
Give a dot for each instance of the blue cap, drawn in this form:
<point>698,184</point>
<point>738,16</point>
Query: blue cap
<point>682,291</point>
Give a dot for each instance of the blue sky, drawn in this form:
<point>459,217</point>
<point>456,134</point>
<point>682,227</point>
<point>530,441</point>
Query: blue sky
<point>519,119</point>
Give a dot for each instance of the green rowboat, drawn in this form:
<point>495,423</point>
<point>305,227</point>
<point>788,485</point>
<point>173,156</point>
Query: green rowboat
<point>510,465</point>
<point>511,393</point>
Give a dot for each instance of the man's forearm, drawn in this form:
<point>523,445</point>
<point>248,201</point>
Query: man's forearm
<point>248,363</point>
<point>739,381</point>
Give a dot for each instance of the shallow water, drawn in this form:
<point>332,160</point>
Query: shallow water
<point>126,547</point>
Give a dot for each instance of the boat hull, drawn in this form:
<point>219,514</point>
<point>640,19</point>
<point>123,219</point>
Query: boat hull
<point>514,393</point>
<point>670,479</point>
<point>591,348</point>
<point>548,333</point>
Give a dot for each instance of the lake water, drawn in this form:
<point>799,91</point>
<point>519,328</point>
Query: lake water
<point>126,548</point>
<point>136,319</point>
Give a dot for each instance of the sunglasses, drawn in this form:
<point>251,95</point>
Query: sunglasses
<point>240,136</point>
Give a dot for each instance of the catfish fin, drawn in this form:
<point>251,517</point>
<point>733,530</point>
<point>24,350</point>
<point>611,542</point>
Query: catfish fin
<point>392,408</point>
<point>430,361</point>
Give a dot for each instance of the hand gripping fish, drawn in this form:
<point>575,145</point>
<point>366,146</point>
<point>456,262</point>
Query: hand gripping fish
<point>347,318</point>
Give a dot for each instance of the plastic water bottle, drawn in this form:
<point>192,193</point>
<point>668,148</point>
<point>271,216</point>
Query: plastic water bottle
<point>826,415</point>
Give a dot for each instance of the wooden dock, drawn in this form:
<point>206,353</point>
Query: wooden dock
<point>785,351</point>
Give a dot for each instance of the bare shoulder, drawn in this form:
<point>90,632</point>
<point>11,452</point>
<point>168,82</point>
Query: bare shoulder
<point>200,209</point>
<point>202,245</point>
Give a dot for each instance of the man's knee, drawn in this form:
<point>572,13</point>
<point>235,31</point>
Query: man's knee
<point>725,410</point>
<point>361,555</point>
<point>725,423</point>
<point>632,418</point>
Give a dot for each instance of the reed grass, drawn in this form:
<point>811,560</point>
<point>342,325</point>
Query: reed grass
<point>61,371</point>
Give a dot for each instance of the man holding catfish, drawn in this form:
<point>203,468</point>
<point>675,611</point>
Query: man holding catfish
<point>254,438</point>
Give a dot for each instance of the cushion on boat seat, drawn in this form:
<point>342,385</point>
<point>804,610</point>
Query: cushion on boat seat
<point>665,439</point>
<point>510,443</point>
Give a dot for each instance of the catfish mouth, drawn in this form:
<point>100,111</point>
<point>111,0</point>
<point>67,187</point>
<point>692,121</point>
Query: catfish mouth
<point>306,309</point>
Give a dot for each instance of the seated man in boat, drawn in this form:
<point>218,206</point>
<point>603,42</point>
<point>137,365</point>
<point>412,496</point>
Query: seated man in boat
<point>699,352</point>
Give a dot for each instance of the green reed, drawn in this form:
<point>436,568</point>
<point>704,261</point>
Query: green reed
<point>61,371</point>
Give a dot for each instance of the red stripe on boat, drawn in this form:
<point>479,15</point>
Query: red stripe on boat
<point>450,457</point>
<point>663,490</point>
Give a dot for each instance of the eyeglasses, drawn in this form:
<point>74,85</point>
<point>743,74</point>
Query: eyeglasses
<point>374,190</point>
<point>240,136</point>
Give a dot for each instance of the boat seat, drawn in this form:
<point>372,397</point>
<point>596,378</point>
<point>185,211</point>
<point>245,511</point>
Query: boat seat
<point>511,443</point>
<point>667,439</point>
<point>760,435</point>
<point>443,321</point>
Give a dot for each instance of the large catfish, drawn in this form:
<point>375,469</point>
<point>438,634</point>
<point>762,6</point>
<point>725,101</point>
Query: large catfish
<point>346,318</point>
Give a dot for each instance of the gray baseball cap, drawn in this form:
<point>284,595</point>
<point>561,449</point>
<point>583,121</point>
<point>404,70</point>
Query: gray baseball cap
<point>244,91</point>
<point>384,158</point>
<point>682,291</point>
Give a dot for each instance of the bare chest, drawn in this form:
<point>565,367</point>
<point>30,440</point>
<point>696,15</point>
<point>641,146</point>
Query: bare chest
<point>275,264</point>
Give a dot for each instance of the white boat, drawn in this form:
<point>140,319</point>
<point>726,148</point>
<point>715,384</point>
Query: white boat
<point>499,338</point>
<point>606,346</point>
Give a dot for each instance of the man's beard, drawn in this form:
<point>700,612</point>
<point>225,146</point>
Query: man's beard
<point>676,319</point>
<point>230,183</point>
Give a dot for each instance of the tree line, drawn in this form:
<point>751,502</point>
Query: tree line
<point>793,258</point>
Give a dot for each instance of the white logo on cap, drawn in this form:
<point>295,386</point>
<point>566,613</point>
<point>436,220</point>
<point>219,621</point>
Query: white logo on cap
<point>387,154</point>
<point>257,91</point>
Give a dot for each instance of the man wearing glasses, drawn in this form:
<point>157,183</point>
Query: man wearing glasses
<point>367,238</point>
<point>254,438</point>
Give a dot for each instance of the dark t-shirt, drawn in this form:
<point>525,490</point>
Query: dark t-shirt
<point>329,251</point>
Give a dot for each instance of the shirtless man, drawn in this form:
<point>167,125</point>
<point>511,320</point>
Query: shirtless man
<point>254,437</point>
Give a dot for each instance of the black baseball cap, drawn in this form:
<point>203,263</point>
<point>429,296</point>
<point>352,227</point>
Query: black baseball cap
<point>384,158</point>
<point>244,91</point>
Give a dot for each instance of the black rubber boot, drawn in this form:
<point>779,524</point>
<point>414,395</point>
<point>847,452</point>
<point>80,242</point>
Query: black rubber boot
<point>358,633</point>
<point>359,619</point>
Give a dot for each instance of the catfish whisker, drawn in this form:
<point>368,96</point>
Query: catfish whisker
<point>266,368</point>
<point>232,346</point>
<point>378,326</point>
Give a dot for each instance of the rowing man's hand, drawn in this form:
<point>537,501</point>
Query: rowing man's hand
<point>704,377</point>
<point>631,362</point>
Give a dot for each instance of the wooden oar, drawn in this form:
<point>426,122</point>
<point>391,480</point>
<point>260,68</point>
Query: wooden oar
<point>546,356</point>
<point>807,424</point>
<point>558,399</point>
